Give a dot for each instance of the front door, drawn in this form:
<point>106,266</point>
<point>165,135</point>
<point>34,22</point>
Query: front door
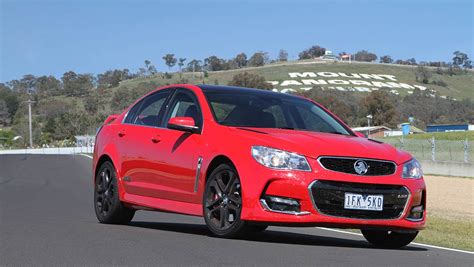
<point>139,145</point>
<point>179,152</point>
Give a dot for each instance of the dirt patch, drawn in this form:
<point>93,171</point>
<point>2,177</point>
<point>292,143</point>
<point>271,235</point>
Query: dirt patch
<point>450,196</point>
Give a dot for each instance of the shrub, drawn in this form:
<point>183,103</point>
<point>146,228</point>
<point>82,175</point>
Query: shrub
<point>250,80</point>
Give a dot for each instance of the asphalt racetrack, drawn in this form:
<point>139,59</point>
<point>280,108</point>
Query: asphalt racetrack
<point>47,219</point>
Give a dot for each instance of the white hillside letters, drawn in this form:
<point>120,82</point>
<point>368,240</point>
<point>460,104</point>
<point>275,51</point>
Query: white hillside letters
<point>360,82</point>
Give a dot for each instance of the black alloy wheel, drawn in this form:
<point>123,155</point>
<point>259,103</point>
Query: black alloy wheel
<point>223,202</point>
<point>108,207</point>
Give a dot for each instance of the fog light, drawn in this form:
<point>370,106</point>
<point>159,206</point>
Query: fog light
<point>282,204</point>
<point>416,213</point>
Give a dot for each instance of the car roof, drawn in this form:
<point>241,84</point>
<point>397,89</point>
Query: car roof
<point>243,90</point>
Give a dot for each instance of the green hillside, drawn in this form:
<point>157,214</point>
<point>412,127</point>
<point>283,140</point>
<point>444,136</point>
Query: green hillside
<point>457,86</point>
<point>64,114</point>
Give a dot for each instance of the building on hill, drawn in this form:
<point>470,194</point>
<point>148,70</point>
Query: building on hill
<point>372,131</point>
<point>329,55</point>
<point>346,57</point>
<point>449,127</point>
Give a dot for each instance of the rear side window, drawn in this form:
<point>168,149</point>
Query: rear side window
<point>149,110</point>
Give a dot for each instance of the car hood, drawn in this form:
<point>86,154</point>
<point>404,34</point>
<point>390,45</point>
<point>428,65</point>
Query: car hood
<point>314,144</point>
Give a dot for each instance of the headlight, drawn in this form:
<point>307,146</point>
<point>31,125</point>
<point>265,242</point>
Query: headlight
<point>412,170</point>
<point>279,159</point>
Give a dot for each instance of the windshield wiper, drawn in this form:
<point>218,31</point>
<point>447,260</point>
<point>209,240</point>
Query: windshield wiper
<point>286,128</point>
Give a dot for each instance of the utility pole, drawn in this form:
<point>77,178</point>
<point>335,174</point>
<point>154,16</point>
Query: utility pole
<point>29,102</point>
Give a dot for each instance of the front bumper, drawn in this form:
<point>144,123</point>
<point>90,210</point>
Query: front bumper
<point>258,182</point>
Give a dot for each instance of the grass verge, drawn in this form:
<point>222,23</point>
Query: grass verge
<point>452,233</point>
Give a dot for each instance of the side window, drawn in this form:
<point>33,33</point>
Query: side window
<point>185,104</point>
<point>148,111</point>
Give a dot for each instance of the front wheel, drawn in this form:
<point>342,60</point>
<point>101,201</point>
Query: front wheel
<point>222,202</point>
<point>389,239</point>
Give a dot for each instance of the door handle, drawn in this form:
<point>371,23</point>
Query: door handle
<point>121,133</point>
<point>156,139</point>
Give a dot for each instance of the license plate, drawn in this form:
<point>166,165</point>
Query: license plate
<point>363,202</point>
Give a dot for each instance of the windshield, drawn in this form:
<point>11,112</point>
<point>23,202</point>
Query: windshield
<point>245,109</point>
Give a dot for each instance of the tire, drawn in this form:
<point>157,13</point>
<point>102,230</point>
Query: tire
<point>107,205</point>
<point>222,203</point>
<point>388,239</point>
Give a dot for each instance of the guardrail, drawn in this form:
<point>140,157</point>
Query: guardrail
<point>51,150</point>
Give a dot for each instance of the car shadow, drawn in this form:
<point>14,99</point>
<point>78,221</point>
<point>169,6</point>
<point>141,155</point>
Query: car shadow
<point>268,236</point>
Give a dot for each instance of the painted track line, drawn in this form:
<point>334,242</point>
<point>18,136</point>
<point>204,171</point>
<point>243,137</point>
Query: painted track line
<point>413,243</point>
<point>357,234</point>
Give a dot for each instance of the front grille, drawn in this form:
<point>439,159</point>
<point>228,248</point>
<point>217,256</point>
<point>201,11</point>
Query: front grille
<point>328,197</point>
<point>346,165</point>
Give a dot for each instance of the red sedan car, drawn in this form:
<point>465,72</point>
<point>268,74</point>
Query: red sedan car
<point>246,158</point>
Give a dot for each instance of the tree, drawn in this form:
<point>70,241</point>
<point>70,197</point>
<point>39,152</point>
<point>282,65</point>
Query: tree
<point>170,60</point>
<point>4,115</point>
<point>381,106</point>
<point>52,108</point>
<point>77,84</point>
<point>152,70</point>
<point>23,86</point>
<point>411,61</point>
<point>91,103</point>
<point>250,80</point>
<point>366,56</point>
<point>422,74</point>
<point>386,59</point>
<point>339,102</point>
<point>194,65</point>
<point>283,55</point>
<point>312,52</point>
<point>258,59</point>
<point>214,63</point>
<point>112,78</point>
<point>121,99</point>
<point>181,63</point>
<point>241,60</point>
<point>11,100</point>
<point>48,86</point>
<point>461,60</point>
<point>142,72</point>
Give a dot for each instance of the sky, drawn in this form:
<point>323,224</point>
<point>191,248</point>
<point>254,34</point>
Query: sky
<point>53,37</point>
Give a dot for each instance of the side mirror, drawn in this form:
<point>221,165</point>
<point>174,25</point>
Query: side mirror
<point>359,134</point>
<point>185,124</point>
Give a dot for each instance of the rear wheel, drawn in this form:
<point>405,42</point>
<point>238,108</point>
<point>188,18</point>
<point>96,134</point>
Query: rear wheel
<point>389,239</point>
<point>222,202</point>
<point>108,207</point>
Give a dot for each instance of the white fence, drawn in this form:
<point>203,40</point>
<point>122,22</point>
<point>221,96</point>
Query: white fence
<point>51,150</point>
